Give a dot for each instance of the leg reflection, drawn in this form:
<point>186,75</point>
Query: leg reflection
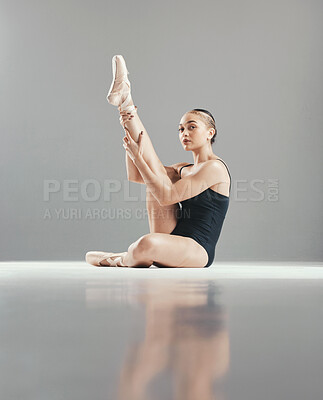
<point>186,335</point>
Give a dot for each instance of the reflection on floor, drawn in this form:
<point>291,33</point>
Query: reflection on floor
<point>233,331</point>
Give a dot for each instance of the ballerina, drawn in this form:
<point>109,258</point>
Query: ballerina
<point>176,239</point>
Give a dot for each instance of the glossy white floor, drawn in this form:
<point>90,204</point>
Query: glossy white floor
<point>233,331</point>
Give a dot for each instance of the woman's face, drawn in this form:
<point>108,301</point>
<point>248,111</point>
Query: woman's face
<point>193,132</point>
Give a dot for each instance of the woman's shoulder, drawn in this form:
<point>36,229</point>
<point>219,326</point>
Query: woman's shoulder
<point>216,159</point>
<point>222,170</point>
<point>212,164</point>
<point>218,162</point>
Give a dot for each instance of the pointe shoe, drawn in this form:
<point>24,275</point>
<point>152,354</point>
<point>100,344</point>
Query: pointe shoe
<point>96,257</point>
<point>119,92</point>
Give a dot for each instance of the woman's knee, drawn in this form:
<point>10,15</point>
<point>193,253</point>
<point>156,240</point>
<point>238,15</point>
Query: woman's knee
<point>144,246</point>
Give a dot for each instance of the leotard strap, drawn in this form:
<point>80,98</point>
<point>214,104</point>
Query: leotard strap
<point>227,170</point>
<point>183,167</point>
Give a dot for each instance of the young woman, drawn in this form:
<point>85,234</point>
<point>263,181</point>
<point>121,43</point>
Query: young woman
<point>186,207</point>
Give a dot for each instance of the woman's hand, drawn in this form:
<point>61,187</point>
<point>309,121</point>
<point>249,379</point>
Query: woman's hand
<point>134,149</point>
<point>125,117</point>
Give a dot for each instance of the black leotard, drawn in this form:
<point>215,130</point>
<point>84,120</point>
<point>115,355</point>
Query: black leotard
<point>202,217</point>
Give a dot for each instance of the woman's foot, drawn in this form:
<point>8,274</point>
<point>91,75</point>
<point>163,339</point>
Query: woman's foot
<point>119,92</point>
<point>104,259</point>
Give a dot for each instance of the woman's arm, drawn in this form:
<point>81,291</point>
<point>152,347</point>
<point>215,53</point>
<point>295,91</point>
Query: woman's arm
<point>163,189</point>
<point>166,193</point>
<point>207,174</point>
<point>135,176</point>
<point>157,184</point>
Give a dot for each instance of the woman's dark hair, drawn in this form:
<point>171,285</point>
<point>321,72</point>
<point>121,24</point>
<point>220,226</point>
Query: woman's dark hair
<point>208,119</point>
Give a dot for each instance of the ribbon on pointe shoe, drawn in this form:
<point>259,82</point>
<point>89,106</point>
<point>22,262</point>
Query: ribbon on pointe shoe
<point>125,105</point>
<point>114,263</point>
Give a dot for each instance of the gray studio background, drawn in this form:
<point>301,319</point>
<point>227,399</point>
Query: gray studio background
<point>256,65</point>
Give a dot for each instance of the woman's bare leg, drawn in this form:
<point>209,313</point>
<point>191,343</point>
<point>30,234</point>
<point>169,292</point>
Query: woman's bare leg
<point>120,95</point>
<point>163,249</point>
<point>162,219</point>
<point>166,250</point>
<point>101,258</point>
<point>133,124</point>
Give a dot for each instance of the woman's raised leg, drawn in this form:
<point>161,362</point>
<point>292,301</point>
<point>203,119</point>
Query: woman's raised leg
<point>134,126</point>
<point>120,95</point>
<point>162,219</point>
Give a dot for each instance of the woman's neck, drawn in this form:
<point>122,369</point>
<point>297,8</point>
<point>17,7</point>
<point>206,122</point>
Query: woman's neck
<point>203,154</point>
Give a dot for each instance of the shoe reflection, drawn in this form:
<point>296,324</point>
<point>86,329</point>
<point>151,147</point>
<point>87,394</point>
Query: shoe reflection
<point>186,336</point>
